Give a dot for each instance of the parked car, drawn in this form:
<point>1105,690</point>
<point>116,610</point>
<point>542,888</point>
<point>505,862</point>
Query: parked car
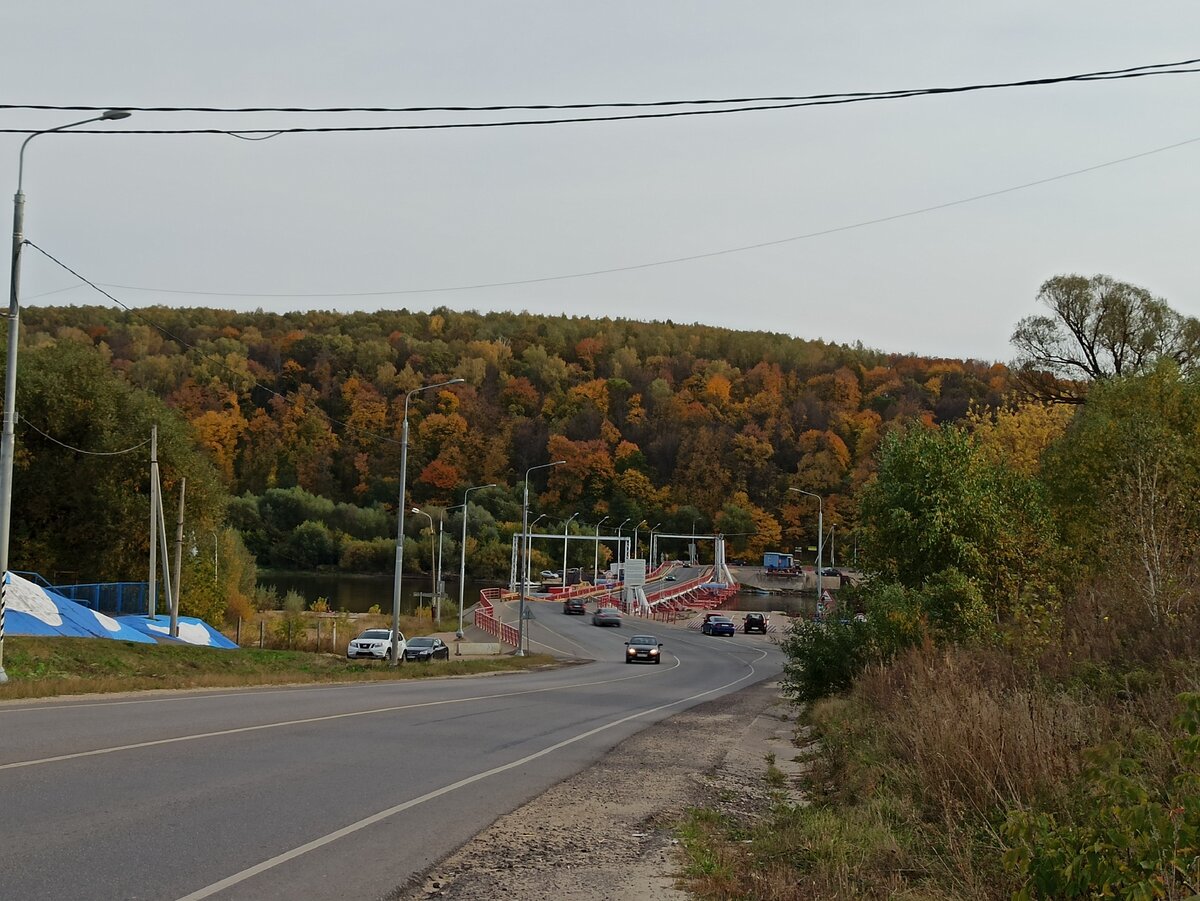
<point>719,625</point>
<point>376,644</point>
<point>755,622</point>
<point>607,616</point>
<point>426,649</point>
<point>575,606</point>
<point>830,571</point>
<point>548,574</point>
<point>643,647</point>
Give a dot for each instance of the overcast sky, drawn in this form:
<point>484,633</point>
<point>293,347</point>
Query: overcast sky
<point>403,211</point>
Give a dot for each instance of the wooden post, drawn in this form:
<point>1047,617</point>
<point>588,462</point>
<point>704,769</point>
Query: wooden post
<point>238,640</point>
<point>262,633</point>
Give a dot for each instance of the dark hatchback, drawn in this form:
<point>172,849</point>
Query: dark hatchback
<point>754,622</point>
<point>643,649</point>
<point>575,606</point>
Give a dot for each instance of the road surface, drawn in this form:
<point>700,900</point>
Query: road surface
<point>324,791</point>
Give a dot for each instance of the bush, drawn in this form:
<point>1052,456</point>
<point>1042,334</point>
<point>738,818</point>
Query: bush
<point>824,658</point>
<point>1134,836</point>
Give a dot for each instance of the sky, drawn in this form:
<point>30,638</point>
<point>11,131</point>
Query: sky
<point>318,215</point>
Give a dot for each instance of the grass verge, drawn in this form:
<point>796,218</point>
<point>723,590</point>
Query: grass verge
<point>47,667</point>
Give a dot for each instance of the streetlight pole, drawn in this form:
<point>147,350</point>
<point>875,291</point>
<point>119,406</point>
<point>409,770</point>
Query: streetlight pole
<point>432,557</point>
<point>402,506</point>
<point>437,591</point>
<point>528,545</point>
<point>635,539</point>
<point>8,440</point>
<point>566,539</point>
<point>596,561</point>
<point>652,531</point>
<point>621,551</point>
<point>820,537</point>
<point>525,530</point>
<point>462,566</point>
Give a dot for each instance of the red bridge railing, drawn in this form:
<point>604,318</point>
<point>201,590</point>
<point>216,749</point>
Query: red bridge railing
<point>487,621</point>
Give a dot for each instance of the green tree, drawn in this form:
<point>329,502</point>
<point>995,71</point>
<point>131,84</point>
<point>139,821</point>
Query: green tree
<point>79,504</point>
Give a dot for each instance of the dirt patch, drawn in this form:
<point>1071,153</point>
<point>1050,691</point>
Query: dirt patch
<point>607,832</point>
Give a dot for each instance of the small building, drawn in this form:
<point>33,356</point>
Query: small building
<point>773,560</point>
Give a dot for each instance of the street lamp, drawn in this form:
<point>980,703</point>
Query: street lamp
<point>528,546</point>
<point>432,555</point>
<point>566,525</point>
<point>635,540</point>
<point>620,551</point>
<point>596,561</point>
<point>10,368</point>
<point>820,537</point>
<point>400,525</point>
<point>652,531</point>
<point>525,530</point>
<point>462,566</point>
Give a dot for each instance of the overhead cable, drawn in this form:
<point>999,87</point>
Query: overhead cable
<point>879,220</point>
<point>822,100</point>
<point>1103,74</point>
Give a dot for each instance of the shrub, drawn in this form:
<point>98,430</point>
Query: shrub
<point>824,658</point>
<point>1133,837</point>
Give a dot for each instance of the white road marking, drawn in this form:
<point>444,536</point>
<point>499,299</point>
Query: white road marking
<point>270,863</point>
<point>298,722</point>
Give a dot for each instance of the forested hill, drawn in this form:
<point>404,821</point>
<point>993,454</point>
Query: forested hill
<point>657,420</point>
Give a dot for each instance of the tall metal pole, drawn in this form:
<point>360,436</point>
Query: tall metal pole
<point>178,562</point>
<point>820,536</point>
<point>635,537</point>
<point>566,538</point>
<point>400,525</point>
<point>621,551</point>
<point>596,561</point>
<point>8,437</point>
<point>652,530</point>
<point>438,581</point>
<point>152,599</point>
<point>525,532</point>
<point>462,566</point>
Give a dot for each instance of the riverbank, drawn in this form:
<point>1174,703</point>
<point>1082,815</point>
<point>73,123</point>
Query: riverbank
<point>49,667</point>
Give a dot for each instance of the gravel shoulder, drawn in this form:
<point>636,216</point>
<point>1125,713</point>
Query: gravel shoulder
<point>607,832</point>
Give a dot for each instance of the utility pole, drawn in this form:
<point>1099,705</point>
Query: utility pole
<point>178,561</point>
<point>150,601</point>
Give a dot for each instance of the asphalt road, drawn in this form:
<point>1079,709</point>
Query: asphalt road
<point>328,791</point>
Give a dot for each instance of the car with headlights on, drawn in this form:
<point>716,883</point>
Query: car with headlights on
<point>425,649</point>
<point>375,644</point>
<point>643,649</point>
<point>718,625</point>
<point>607,616</point>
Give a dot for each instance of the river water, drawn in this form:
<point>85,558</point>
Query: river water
<point>357,593</point>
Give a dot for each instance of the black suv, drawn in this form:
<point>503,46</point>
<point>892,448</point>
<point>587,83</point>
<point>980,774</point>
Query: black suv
<point>574,605</point>
<point>755,622</point>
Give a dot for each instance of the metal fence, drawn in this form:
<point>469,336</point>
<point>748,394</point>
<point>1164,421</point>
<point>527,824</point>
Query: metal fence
<point>109,597</point>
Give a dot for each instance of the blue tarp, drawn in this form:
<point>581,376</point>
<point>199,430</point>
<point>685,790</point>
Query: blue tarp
<point>33,610</point>
<point>192,630</point>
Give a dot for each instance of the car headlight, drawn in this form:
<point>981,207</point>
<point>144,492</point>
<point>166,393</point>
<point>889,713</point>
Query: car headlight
<point>653,651</point>
<point>630,651</point>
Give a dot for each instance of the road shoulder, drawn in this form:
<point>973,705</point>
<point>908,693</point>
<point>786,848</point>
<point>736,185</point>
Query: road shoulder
<point>606,832</point>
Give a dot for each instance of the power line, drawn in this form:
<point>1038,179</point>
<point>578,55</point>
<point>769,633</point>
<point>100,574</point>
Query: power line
<point>210,357</point>
<point>835,100</point>
<point>1103,74</point>
<point>80,450</point>
<point>879,220</point>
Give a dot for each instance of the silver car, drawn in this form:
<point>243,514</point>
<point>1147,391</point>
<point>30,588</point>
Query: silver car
<point>607,616</point>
